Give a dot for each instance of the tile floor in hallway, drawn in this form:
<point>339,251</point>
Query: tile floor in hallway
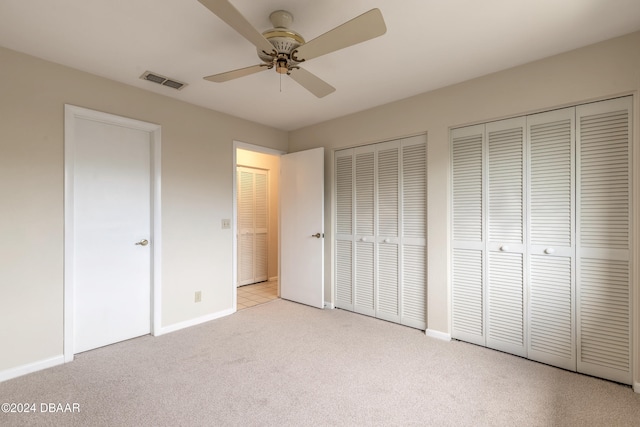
<point>250,295</point>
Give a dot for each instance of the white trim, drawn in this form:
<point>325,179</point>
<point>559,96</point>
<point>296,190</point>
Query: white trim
<point>234,215</point>
<point>31,367</point>
<point>194,322</point>
<point>71,114</point>
<point>438,335</point>
<point>329,305</point>
<point>636,386</point>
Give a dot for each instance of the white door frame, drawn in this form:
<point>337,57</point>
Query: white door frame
<point>234,222</point>
<point>71,115</point>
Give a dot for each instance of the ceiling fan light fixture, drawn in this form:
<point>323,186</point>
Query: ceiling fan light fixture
<point>281,66</point>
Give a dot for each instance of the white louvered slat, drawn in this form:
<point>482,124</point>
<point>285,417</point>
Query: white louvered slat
<point>344,274</point>
<point>467,299</point>
<point>388,181</point>
<point>245,202</point>
<point>604,318</point>
<point>604,180</point>
<point>245,227</point>
<point>505,217</point>
<point>365,193</point>
<point>260,259</point>
<point>344,194</point>
<point>245,274</point>
<point>551,156</point>
<point>388,270</point>
<point>364,278</point>
<point>414,286</point>
<point>604,239</point>
<point>467,187</point>
<point>551,323</point>
<point>414,191</point>
<point>505,303</point>
<point>261,201</point>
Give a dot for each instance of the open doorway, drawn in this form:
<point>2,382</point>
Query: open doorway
<point>256,218</point>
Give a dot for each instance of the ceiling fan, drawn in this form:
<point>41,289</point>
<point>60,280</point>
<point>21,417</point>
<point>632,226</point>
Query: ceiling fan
<point>284,49</point>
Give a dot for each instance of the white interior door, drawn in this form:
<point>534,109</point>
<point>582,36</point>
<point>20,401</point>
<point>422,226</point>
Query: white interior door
<point>112,211</point>
<point>302,227</point>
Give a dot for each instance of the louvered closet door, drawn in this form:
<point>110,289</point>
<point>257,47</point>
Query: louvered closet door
<point>551,142</point>
<point>467,299</point>
<point>505,243</point>
<point>253,206</point>
<point>260,226</point>
<point>604,239</point>
<point>413,223</point>
<point>388,231</point>
<point>245,226</point>
<point>365,246</point>
<point>344,170</point>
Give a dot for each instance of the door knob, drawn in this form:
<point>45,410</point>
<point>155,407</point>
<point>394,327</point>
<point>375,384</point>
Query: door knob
<point>143,242</point>
<point>317,235</point>
<point>549,251</point>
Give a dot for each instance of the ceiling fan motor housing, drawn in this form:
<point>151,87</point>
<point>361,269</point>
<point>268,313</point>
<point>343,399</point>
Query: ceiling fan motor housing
<point>284,41</point>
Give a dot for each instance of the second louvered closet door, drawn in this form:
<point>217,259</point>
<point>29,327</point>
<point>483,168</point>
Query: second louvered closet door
<point>551,142</point>
<point>381,230</point>
<point>541,227</point>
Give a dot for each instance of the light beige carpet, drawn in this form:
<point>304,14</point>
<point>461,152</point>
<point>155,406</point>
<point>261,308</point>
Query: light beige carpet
<point>283,363</point>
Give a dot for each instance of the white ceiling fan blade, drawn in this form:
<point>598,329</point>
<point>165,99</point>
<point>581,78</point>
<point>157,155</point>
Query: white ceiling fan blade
<point>362,28</point>
<point>230,75</point>
<point>311,82</point>
<point>229,14</point>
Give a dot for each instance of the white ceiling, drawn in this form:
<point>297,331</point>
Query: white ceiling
<point>429,44</point>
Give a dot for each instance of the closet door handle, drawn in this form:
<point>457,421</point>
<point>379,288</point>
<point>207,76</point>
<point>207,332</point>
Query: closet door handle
<point>364,239</point>
<point>386,240</point>
<point>504,248</point>
<point>549,251</point>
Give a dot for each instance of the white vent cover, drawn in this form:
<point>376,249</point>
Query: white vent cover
<point>162,80</point>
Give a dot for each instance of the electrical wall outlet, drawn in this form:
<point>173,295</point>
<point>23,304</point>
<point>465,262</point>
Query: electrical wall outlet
<point>226,223</point>
<point>198,296</point>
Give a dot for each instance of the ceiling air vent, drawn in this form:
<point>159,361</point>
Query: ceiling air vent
<point>162,80</point>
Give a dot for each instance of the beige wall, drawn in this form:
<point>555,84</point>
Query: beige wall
<point>272,164</point>
<point>197,171</point>
<point>197,176</point>
<point>603,70</point>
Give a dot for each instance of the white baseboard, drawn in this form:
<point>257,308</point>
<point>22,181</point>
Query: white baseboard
<point>273,279</point>
<point>194,322</point>
<point>636,387</point>
<point>438,335</point>
<point>31,367</point>
<point>329,305</point>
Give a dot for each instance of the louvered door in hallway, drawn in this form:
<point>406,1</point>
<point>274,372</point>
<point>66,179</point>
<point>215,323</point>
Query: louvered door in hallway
<point>381,230</point>
<point>252,225</point>
<point>541,225</point>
